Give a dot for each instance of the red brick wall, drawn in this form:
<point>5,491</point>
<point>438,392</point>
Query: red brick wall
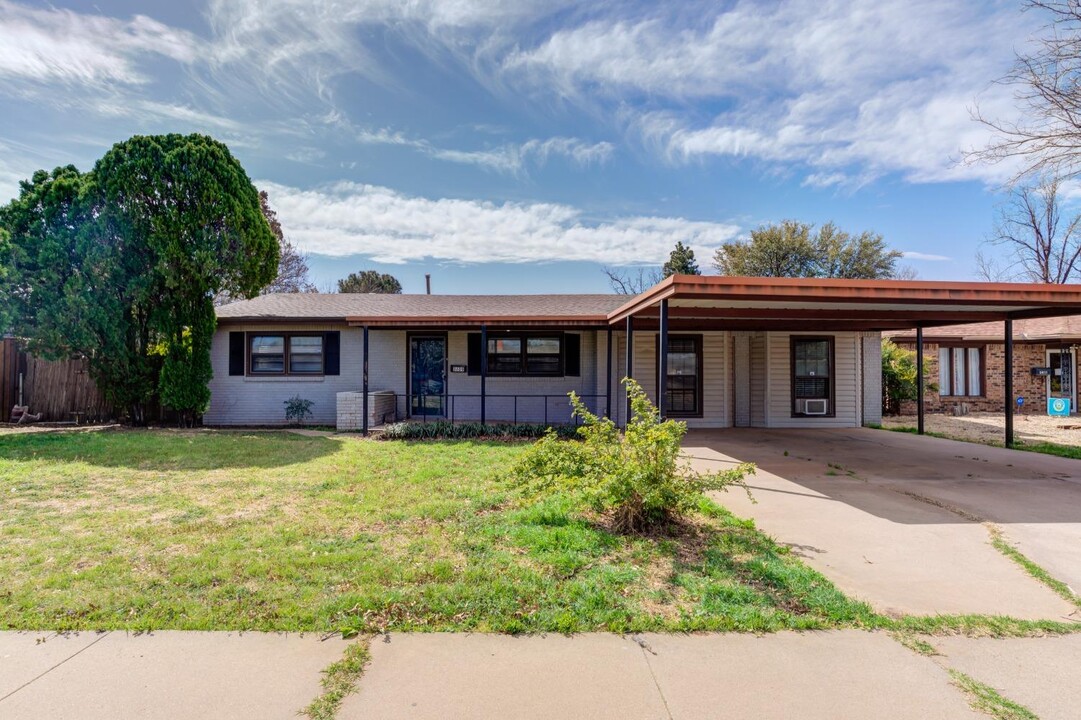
<point>1025,357</point>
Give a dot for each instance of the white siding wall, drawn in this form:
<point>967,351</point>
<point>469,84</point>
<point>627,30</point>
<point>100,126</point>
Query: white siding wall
<point>741,379</point>
<point>760,385</point>
<point>716,403</point>
<point>846,388</point>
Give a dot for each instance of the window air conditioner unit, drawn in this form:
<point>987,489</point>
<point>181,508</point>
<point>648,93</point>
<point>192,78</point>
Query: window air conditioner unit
<point>813,407</point>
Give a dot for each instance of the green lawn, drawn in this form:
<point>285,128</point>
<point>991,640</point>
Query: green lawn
<point>274,531</point>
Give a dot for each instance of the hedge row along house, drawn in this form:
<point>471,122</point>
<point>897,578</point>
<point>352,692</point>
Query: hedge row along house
<point>966,365</point>
<point>714,351</point>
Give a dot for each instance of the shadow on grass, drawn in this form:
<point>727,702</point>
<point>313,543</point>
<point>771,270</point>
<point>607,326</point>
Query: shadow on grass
<point>168,450</point>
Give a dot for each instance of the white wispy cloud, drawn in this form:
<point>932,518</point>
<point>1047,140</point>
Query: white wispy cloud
<point>39,44</point>
<point>913,255</point>
<point>387,226</point>
<point>511,158</point>
<point>829,84</point>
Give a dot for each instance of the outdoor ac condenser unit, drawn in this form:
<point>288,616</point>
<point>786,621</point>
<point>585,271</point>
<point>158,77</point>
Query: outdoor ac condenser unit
<point>813,407</point>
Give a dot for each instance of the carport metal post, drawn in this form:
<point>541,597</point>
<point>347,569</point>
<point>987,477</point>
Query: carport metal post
<point>630,363</point>
<point>1008,343</point>
<point>608,387</point>
<point>364,385</point>
<point>919,379</point>
<point>483,370</point>
<point>662,361</point>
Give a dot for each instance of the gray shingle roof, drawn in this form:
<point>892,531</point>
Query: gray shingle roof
<point>1032,329</point>
<point>338,306</point>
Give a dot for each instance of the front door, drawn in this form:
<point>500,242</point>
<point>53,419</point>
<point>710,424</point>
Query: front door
<point>1061,383</point>
<point>427,375</point>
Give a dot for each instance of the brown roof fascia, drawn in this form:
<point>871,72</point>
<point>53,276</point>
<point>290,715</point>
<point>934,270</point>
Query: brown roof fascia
<point>477,320</point>
<point>281,320</point>
<point>1003,295</point>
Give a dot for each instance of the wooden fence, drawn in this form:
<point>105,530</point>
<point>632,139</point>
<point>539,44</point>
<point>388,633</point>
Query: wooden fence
<point>58,389</point>
<point>9,377</point>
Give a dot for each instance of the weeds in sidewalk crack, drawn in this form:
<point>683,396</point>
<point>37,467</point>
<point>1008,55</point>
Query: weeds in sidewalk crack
<point>339,681</point>
<point>987,700</point>
<point>998,541</point>
<point>915,643</point>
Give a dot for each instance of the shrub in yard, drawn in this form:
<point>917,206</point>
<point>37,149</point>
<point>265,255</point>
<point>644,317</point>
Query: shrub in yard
<point>635,477</point>
<point>899,376</point>
<point>444,429</point>
<point>297,409</point>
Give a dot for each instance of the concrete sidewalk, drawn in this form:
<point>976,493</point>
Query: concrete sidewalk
<point>161,675</point>
<point>813,675</point>
<point>839,674</point>
<point>1039,673</point>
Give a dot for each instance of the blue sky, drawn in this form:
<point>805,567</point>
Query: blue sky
<point>521,145</point>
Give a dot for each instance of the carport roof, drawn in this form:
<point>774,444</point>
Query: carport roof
<point>754,303</point>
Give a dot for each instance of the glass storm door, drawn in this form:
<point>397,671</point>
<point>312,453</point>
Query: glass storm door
<point>1061,382</point>
<point>427,375</point>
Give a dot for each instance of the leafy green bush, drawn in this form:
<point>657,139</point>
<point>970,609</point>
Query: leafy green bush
<point>635,476</point>
<point>899,376</point>
<point>297,409</point>
<point>444,429</point>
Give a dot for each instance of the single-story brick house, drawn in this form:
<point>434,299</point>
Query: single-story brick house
<point>732,351</point>
<point>966,364</point>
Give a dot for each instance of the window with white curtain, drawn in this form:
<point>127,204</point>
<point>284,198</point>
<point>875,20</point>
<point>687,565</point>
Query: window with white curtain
<point>960,371</point>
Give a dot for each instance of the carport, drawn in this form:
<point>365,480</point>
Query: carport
<point>692,303</point>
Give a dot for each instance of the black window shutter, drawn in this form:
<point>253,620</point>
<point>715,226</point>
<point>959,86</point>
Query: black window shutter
<point>332,353</point>
<point>572,355</point>
<point>473,347</point>
<point>236,353</point>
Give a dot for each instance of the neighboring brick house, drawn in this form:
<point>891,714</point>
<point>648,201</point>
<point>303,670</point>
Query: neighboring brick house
<point>713,351</point>
<point>966,363</point>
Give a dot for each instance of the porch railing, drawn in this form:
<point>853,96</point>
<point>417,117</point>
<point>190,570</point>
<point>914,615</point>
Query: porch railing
<point>452,406</point>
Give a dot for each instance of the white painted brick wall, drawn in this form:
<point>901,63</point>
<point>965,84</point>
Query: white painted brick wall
<point>529,410</point>
<point>381,406</point>
<point>243,400</point>
<point>872,378</point>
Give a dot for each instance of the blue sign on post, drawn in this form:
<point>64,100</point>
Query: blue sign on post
<point>1058,406</point>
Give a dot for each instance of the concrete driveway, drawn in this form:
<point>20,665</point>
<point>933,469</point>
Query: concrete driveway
<point>903,522</point>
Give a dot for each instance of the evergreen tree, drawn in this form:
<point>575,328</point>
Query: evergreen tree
<point>188,200</point>
<point>370,281</point>
<point>681,262</point>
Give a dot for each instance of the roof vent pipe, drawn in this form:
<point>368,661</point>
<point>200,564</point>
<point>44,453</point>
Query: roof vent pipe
<point>428,283</point>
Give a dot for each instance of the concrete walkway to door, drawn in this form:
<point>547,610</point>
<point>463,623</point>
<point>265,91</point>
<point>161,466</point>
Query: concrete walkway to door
<point>903,522</point>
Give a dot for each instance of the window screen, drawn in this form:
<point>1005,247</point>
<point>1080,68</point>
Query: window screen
<point>682,385</point>
<point>306,354</point>
<point>811,369</point>
<point>542,356</point>
<point>505,356</point>
<point>268,353</point>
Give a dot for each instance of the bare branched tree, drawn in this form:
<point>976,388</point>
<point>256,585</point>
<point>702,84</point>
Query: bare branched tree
<point>1048,93</point>
<point>906,272</point>
<point>292,263</point>
<point>991,268</point>
<point>1038,245</point>
<point>633,282</point>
